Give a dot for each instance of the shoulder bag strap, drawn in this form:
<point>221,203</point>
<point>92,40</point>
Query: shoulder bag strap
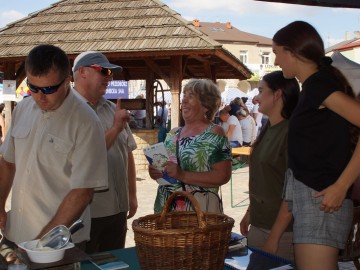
<point>178,156</point>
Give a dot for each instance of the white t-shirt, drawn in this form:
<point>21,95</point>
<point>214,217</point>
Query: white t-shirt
<point>237,133</point>
<point>259,115</point>
<point>248,128</point>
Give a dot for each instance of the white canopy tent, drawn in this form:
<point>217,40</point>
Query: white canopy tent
<point>230,93</point>
<point>350,69</point>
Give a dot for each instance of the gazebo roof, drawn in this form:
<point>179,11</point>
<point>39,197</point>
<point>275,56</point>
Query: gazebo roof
<point>136,34</point>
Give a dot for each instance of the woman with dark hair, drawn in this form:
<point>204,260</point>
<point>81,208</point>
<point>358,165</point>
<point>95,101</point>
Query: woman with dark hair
<point>323,151</point>
<point>268,162</point>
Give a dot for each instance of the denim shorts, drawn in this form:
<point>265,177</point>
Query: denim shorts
<point>311,225</point>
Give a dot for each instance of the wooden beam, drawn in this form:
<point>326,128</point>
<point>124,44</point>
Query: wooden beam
<point>234,62</point>
<point>156,68</point>
<point>131,104</point>
<point>206,64</point>
<point>189,72</point>
<point>150,99</point>
<point>175,88</point>
<point>185,62</point>
<point>20,74</point>
<point>207,69</point>
<point>199,58</point>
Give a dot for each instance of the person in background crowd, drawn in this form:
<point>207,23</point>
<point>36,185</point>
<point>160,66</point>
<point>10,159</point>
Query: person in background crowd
<point>244,100</point>
<point>248,127</point>
<point>323,164</point>
<point>162,119</point>
<point>231,126</point>
<point>139,115</point>
<point>264,120</point>
<point>268,162</point>
<point>236,105</point>
<point>111,208</point>
<point>256,115</point>
<point>53,159</point>
<point>203,149</point>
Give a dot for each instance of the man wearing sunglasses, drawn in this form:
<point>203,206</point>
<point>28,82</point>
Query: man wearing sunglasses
<point>109,210</point>
<point>54,154</point>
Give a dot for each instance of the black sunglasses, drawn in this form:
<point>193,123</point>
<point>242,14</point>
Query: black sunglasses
<point>47,90</point>
<point>104,71</point>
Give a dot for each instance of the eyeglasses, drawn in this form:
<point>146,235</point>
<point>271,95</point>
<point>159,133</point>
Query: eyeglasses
<point>47,90</point>
<point>104,71</point>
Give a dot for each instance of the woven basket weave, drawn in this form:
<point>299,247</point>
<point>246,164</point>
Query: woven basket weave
<point>182,240</point>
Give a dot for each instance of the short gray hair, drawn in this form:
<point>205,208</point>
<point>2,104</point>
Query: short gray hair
<point>208,93</point>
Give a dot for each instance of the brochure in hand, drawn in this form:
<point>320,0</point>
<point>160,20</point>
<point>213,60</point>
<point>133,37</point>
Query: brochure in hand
<point>157,155</point>
<point>107,261</point>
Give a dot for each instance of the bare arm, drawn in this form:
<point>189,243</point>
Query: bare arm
<point>7,172</point>
<point>121,116</point>
<point>334,195</point>
<point>245,223</point>
<point>230,132</point>
<point>281,223</point>
<point>70,209</point>
<point>219,174</point>
<point>133,205</point>
<point>345,106</point>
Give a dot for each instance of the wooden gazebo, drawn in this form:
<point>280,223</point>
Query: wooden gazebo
<point>148,39</point>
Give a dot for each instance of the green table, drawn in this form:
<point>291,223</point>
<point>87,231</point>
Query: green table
<point>129,256</point>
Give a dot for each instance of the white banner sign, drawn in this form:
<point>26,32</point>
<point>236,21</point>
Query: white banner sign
<point>9,90</point>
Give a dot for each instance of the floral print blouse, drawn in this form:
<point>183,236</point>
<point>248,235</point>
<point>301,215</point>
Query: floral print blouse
<point>196,154</point>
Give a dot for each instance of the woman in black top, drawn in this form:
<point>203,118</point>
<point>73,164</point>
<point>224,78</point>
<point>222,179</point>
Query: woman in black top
<point>323,151</point>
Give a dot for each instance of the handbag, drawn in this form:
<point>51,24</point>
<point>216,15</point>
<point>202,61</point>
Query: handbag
<point>208,200</point>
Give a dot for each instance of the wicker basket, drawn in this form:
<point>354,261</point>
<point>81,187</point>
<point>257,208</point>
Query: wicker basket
<point>182,240</point>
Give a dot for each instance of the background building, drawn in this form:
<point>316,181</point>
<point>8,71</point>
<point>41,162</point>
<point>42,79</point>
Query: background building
<point>253,50</point>
<point>350,47</point>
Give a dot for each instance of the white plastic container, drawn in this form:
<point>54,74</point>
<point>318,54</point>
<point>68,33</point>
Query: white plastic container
<point>43,255</point>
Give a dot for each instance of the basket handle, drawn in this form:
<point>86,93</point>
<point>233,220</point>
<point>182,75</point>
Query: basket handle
<point>191,198</point>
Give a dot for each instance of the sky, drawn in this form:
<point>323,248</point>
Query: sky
<point>260,18</point>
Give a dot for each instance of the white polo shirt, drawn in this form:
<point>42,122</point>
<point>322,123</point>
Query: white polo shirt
<point>54,152</point>
<point>116,198</point>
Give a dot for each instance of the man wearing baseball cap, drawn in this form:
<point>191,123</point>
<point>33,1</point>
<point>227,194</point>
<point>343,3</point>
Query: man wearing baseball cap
<point>109,210</point>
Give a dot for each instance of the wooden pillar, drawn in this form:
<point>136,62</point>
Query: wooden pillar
<point>176,77</point>
<point>149,99</point>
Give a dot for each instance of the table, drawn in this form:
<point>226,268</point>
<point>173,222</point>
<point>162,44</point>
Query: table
<point>241,151</point>
<point>129,256</point>
<point>236,164</point>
